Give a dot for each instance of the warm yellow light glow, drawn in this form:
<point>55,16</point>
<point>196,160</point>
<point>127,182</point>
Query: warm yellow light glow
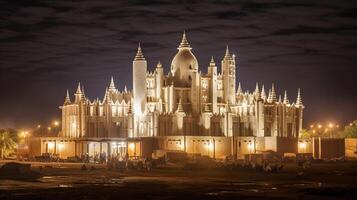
<point>302,145</point>
<point>51,145</point>
<point>39,126</point>
<point>251,146</point>
<point>319,126</point>
<point>24,134</point>
<point>351,124</point>
<point>210,146</point>
<point>132,146</point>
<point>313,131</point>
<point>311,126</point>
<point>74,125</point>
<point>56,123</point>
<point>49,128</point>
<point>330,125</point>
<point>60,146</point>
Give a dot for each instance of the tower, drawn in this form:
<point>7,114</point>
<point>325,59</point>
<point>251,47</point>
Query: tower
<point>139,82</point>
<point>212,71</point>
<point>139,90</point>
<point>229,77</point>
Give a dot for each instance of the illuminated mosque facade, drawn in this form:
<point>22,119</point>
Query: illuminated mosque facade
<point>183,110</point>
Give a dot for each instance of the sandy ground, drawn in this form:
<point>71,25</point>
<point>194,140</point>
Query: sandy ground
<point>68,181</point>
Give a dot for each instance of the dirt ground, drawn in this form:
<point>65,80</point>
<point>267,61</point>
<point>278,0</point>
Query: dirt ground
<point>67,181</point>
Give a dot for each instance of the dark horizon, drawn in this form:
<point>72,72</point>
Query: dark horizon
<point>47,47</point>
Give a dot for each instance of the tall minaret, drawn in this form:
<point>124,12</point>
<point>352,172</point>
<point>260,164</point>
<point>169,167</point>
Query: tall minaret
<point>212,71</point>
<point>300,108</point>
<point>139,82</point>
<point>139,91</point>
<point>229,77</point>
<point>159,79</point>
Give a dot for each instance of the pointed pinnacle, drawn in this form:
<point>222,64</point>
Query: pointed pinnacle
<point>263,95</point>
<point>239,90</point>
<point>139,54</point>
<point>227,54</point>
<point>112,85</point>
<point>286,100</point>
<point>298,99</point>
<point>79,91</point>
<point>184,43</point>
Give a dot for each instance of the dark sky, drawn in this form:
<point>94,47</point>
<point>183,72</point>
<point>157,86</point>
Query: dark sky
<point>48,46</point>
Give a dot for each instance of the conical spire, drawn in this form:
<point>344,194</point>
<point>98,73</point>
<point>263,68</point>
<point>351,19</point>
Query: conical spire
<point>79,91</point>
<point>106,95</point>
<point>83,94</point>
<point>125,89</point>
<point>112,85</point>
<point>227,55</point>
<point>279,101</point>
<point>239,90</point>
<point>256,92</point>
<point>263,95</point>
<point>184,43</point>
<point>269,96</point>
<point>212,63</point>
<point>286,100</point>
<point>273,94</point>
<point>139,54</point>
<point>67,100</point>
<point>298,99</point>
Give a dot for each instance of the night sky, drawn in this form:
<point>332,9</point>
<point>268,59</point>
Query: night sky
<point>49,46</point>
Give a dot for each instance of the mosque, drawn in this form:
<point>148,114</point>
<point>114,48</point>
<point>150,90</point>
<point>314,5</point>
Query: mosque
<point>181,110</point>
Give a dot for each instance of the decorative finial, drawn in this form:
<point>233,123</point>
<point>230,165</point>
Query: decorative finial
<point>227,55</point>
<point>298,99</point>
<point>184,43</point>
<point>239,90</point>
<point>67,100</point>
<point>139,54</point>
<point>256,92</point>
<point>263,95</point>
<point>112,85</point>
<point>286,100</point>
<point>79,91</point>
<point>269,96</point>
<point>273,94</point>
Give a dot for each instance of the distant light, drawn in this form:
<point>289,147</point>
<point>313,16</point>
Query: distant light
<point>311,126</point>
<point>56,123</point>
<point>39,126</point>
<point>251,146</point>
<point>132,146</point>
<point>319,126</point>
<point>60,146</point>
<point>49,128</point>
<point>302,145</point>
<point>330,125</point>
<point>51,145</point>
